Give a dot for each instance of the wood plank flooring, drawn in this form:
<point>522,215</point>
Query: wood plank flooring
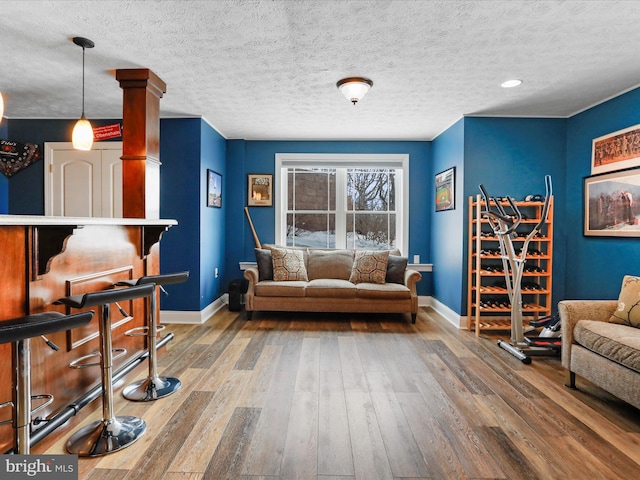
<point>313,396</point>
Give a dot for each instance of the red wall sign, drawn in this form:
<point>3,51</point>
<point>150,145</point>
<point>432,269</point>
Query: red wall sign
<point>107,131</point>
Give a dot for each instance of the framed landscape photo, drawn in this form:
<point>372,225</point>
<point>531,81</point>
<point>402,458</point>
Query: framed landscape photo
<point>616,151</point>
<point>214,189</point>
<point>612,204</point>
<point>446,190</point>
<point>260,191</point>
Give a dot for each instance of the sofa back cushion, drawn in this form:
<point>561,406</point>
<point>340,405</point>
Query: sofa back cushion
<point>329,264</point>
<point>628,311</point>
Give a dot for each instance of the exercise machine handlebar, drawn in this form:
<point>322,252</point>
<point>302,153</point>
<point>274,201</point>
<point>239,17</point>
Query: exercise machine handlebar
<point>505,223</point>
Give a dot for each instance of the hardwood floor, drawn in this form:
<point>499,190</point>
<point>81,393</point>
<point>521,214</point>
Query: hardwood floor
<point>308,396</point>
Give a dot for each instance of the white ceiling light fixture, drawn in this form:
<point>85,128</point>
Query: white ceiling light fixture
<point>1,107</point>
<point>511,83</point>
<point>82,137</point>
<point>354,88</point>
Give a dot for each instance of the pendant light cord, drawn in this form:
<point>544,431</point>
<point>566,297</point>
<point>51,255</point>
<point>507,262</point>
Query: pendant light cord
<point>82,116</point>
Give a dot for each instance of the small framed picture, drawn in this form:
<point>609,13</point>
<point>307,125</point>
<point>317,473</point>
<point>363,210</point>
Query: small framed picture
<point>260,192</point>
<point>214,189</point>
<point>446,190</point>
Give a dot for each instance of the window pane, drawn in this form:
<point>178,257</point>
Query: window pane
<point>371,231</point>
<point>371,189</point>
<point>311,189</point>
<point>311,230</point>
<point>291,187</point>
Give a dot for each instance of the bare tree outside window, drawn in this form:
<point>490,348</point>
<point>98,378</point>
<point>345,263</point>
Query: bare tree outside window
<point>371,206</point>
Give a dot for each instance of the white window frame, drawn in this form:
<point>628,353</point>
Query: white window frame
<point>398,161</point>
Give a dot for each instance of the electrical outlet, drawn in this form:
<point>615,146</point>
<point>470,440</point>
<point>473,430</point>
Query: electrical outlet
<point>216,273</point>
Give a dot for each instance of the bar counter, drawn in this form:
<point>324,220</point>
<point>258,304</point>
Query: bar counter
<point>45,258</point>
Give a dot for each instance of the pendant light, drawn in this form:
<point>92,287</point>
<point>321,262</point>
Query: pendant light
<point>82,137</point>
<point>354,88</point>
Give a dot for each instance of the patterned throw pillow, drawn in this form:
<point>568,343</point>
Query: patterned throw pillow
<point>288,264</point>
<point>369,267</point>
<point>628,311</point>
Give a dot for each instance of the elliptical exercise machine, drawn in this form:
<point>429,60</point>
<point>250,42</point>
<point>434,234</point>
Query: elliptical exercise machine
<point>504,226</point>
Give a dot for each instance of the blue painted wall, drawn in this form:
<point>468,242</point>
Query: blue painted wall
<point>259,157</point>
<point>212,220</point>
<point>596,265</point>
<point>511,156</point>
<point>446,230</point>
<point>4,195</point>
<point>4,182</point>
<point>180,200</point>
<point>188,147</point>
<point>237,230</point>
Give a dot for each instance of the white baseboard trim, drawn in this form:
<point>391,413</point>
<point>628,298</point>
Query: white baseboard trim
<point>449,315</point>
<point>424,301</point>
<point>198,318</point>
<point>191,317</point>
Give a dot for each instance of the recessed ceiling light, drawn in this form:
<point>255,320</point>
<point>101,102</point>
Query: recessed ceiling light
<point>511,83</point>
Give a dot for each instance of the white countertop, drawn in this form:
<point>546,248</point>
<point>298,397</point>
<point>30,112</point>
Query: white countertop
<point>42,220</point>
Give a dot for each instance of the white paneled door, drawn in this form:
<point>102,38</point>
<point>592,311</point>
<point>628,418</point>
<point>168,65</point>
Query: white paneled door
<point>83,184</point>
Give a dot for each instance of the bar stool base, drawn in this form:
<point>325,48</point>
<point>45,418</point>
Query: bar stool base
<point>151,389</point>
<point>103,437</point>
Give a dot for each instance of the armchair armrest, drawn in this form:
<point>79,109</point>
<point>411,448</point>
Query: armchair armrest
<point>572,311</point>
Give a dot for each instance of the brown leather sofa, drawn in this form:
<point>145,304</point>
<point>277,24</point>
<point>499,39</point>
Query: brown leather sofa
<point>328,288</point>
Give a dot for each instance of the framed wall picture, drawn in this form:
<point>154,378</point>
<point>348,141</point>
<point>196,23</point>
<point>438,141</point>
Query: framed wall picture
<point>214,189</point>
<point>612,204</point>
<point>446,190</point>
<point>260,192</point>
<point>616,151</point>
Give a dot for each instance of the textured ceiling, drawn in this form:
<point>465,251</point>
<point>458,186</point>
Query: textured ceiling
<point>268,69</point>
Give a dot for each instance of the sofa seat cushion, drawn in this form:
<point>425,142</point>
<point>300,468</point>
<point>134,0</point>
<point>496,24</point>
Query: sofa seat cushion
<point>618,343</point>
<point>329,264</point>
<point>386,291</point>
<point>331,288</point>
<point>285,288</point>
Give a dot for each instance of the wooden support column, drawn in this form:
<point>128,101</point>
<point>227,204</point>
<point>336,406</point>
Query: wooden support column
<point>142,90</point>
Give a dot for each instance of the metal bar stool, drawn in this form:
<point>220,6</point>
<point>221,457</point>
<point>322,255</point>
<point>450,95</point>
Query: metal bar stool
<point>20,331</point>
<point>154,386</point>
<point>111,433</point>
